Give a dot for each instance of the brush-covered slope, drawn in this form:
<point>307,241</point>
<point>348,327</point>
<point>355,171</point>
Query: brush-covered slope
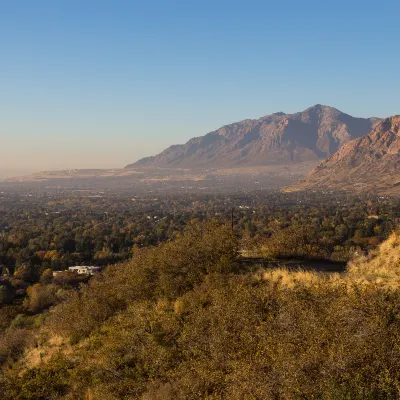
<point>381,266</point>
<point>181,321</point>
<point>371,162</point>
<point>278,138</point>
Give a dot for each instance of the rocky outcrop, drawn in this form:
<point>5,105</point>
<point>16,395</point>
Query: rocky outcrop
<point>369,163</point>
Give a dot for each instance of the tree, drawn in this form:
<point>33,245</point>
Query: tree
<point>6,294</point>
<point>47,276</point>
<point>27,273</point>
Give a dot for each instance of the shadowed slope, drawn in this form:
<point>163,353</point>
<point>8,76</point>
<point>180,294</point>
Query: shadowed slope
<point>371,162</point>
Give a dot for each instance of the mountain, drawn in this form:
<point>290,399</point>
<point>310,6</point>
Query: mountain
<point>369,163</point>
<point>275,139</point>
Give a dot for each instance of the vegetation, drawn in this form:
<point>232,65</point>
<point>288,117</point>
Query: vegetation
<point>184,318</point>
<point>59,229</point>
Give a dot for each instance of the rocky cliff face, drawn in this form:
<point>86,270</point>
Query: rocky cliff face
<point>369,163</point>
<point>311,135</point>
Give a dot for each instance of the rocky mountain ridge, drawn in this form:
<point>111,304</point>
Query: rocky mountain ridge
<point>369,163</point>
<point>275,139</point>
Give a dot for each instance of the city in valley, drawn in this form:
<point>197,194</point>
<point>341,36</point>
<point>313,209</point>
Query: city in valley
<point>199,200</point>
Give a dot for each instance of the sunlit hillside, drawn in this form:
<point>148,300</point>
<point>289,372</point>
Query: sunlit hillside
<point>187,320</point>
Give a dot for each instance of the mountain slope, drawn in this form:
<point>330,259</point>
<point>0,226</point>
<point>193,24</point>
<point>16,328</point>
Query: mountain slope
<point>368,163</point>
<point>275,139</point>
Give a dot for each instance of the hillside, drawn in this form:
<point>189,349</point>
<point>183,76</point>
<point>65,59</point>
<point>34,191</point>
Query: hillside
<point>369,163</point>
<point>275,139</point>
<point>182,321</point>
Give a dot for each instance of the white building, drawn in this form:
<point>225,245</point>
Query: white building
<point>85,270</point>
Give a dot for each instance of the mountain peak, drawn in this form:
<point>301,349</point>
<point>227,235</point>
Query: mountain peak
<point>321,108</point>
<point>274,139</point>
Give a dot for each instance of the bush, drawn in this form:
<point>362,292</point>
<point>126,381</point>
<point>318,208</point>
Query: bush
<point>6,294</point>
<point>69,279</point>
<point>27,273</point>
<point>295,241</point>
<point>12,344</point>
<point>40,297</point>
<point>48,382</point>
<point>164,272</point>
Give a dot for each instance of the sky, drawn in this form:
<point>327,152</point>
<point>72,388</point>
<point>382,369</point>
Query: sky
<point>100,84</point>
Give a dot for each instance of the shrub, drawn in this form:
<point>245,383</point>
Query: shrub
<point>164,272</point>
<point>40,297</point>
<point>295,241</point>
<point>6,294</point>
<point>12,344</point>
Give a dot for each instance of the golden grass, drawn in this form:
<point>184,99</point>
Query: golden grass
<point>290,279</point>
<point>381,266</point>
<point>44,351</point>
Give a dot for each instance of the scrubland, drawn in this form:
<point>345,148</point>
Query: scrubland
<point>186,320</point>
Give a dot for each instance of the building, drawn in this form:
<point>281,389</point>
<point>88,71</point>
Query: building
<point>85,270</point>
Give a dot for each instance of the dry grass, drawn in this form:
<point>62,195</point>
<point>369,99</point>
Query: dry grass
<point>381,266</point>
<point>43,351</point>
<point>290,279</point>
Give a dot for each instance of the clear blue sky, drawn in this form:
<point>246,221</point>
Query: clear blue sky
<point>102,83</point>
